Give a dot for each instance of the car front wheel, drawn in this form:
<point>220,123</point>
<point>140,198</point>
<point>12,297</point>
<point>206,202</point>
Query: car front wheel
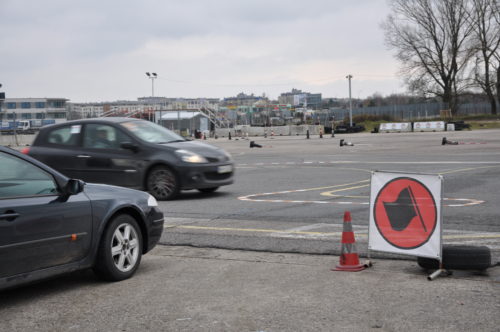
<point>162,183</point>
<point>120,249</point>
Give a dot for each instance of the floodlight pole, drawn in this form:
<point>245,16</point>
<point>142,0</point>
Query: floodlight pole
<point>349,77</point>
<point>152,76</point>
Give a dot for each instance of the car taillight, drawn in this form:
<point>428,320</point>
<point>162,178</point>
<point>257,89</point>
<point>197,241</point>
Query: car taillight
<point>25,150</point>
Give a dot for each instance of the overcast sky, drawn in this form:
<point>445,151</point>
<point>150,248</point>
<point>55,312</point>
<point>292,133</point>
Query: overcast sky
<point>99,50</point>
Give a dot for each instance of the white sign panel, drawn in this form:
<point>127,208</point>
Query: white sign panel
<point>405,214</point>
<point>395,126</point>
<point>429,126</point>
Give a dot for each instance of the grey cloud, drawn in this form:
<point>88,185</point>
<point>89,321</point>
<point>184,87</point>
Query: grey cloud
<point>245,42</point>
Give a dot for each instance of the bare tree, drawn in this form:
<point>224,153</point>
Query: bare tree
<point>486,27</point>
<point>431,39</point>
<point>496,15</point>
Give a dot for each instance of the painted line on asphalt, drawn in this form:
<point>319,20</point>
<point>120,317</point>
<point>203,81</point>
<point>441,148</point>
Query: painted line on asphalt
<point>331,193</point>
<point>343,187</point>
<point>299,232</point>
<point>252,198</point>
<point>255,230</point>
<point>375,162</point>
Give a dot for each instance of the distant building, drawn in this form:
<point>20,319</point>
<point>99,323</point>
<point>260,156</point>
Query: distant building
<point>299,98</point>
<point>34,109</point>
<point>185,121</point>
<point>141,106</point>
<point>242,99</point>
<point>182,103</point>
<point>116,108</point>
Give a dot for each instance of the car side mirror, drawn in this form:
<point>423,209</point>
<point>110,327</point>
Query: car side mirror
<point>129,146</point>
<point>73,187</point>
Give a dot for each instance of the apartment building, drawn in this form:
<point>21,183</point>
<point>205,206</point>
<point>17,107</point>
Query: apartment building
<point>34,109</point>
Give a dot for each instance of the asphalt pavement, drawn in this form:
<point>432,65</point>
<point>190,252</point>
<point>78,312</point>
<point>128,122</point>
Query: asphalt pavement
<point>257,255</point>
<point>291,194</point>
<point>200,289</point>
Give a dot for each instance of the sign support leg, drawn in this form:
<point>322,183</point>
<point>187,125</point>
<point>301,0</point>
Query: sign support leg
<point>368,262</point>
<point>438,272</point>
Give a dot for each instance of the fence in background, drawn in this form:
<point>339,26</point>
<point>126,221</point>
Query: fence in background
<point>413,111</point>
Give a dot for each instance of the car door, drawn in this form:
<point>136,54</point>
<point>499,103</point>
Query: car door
<point>103,160</point>
<point>39,228</point>
<point>58,148</point>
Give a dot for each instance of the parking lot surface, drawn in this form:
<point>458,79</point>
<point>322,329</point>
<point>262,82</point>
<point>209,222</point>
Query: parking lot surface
<point>290,195</point>
<point>192,289</point>
<point>285,209</point>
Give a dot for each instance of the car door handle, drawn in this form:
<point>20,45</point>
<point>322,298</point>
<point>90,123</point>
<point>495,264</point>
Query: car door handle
<point>9,216</point>
<point>83,156</point>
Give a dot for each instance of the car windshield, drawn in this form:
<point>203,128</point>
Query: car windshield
<point>151,132</point>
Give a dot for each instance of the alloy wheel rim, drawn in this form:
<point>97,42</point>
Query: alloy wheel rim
<point>125,247</point>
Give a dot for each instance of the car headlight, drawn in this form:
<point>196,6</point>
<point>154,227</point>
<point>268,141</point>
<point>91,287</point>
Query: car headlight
<point>227,154</point>
<point>190,157</point>
<point>152,202</point>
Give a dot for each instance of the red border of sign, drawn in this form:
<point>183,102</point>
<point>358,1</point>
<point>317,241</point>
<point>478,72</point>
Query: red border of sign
<point>375,215</point>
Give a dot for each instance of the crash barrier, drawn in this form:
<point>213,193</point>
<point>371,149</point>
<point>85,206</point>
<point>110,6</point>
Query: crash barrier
<point>22,140</point>
<point>242,131</point>
<point>429,126</point>
<point>398,127</point>
<point>395,127</point>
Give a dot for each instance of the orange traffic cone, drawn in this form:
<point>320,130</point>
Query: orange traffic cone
<point>349,259</point>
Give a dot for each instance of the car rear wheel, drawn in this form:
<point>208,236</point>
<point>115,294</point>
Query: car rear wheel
<point>208,190</point>
<point>120,249</point>
<point>162,183</point>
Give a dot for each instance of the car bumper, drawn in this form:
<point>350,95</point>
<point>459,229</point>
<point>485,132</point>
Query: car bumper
<point>207,176</point>
<point>155,222</point>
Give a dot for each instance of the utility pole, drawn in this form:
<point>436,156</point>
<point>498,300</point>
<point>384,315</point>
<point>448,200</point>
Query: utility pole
<point>349,77</point>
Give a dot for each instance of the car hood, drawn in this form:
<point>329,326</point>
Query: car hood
<point>103,192</point>
<point>201,148</point>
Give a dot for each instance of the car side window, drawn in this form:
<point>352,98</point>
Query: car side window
<point>67,135</point>
<point>20,178</point>
<point>98,136</point>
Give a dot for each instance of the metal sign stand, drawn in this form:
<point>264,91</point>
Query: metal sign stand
<point>439,272</point>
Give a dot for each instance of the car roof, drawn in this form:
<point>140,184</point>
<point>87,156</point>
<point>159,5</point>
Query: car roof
<point>90,120</point>
<point>105,119</point>
<point>6,148</point>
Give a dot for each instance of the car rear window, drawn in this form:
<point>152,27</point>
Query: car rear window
<point>151,132</point>
<point>67,135</point>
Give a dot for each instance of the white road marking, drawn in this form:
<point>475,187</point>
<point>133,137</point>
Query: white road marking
<point>381,162</point>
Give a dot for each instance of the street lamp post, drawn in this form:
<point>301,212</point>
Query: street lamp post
<point>349,77</point>
<point>152,76</point>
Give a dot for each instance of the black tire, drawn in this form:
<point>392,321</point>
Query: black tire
<point>208,190</point>
<point>107,265</point>
<point>460,258</point>
<point>162,183</point>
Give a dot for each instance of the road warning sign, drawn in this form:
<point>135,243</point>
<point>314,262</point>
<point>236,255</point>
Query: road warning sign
<point>405,214</point>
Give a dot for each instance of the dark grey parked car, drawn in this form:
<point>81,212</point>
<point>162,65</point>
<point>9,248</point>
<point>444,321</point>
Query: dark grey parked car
<point>132,153</point>
<point>50,224</point>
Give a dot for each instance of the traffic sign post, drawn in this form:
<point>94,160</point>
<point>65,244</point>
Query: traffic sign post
<point>405,214</point>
